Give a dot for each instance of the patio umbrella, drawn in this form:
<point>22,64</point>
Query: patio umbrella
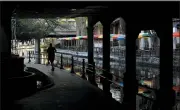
<point>121,37</point>
<point>73,38</point>
<point>84,37</point>
<point>176,34</point>
<point>67,38</point>
<point>80,37</point>
<point>76,38</point>
<point>115,36</point>
<point>96,36</point>
<point>111,35</point>
<point>100,37</point>
<point>144,35</point>
<point>176,88</point>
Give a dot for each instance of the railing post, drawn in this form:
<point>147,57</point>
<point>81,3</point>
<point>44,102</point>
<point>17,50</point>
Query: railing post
<point>94,75</point>
<point>29,57</point>
<point>72,65</point>
<point>61,67</point>
<point>83,70</point>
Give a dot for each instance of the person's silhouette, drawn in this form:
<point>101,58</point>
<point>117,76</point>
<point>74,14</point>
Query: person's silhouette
<point>51,55</point>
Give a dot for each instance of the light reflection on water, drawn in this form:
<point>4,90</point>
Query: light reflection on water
<point>146,75</point>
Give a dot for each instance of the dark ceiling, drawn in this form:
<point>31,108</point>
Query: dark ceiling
<point>56,9</point>
<point>64,9</point>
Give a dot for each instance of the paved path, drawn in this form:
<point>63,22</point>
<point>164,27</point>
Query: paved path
<point>70,92</point>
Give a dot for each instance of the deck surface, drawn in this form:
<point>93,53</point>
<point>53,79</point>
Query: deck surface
<point>70,92</point>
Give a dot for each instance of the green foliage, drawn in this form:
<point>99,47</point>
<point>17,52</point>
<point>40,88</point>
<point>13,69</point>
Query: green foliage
<point>81,24</point>
<point>27,29</point>
<point>47,41</point>
<point>43,46</point>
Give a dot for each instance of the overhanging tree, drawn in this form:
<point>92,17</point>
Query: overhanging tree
<point>27,29</point>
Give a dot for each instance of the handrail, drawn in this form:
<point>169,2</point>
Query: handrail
<point>109,72</point>
<point>108,80</point>
<point>90,68</point>
<point>153,89</point>
<point>78,66</point>
<point>152,99</point>
<point>105,78</point>
<point>106,71</point>
<point>139,63</point>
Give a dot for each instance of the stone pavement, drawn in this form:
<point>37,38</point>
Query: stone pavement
<point>70,92</point>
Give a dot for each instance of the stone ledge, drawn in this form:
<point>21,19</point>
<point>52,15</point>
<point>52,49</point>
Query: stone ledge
<point>19,87</point>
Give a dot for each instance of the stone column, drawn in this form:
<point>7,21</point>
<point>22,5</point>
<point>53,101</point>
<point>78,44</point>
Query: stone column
<point>90,41</point>
<point>4,48</point>
<point>5,43</point>
<point>166,64</point>
<point>5,52</point>
<point>130,82</point>
<point>37,51</point>
<point>91,75</point>
<point>106,56</point>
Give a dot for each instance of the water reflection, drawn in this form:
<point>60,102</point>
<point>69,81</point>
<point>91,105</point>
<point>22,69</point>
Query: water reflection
<point>147,75</point>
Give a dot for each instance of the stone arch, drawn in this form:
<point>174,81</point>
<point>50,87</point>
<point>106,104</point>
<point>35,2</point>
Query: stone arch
<point>98,27</point>
<point>121,23</point>
<point>117,54</point>
<point>98,48</point>
<point>147,56</point>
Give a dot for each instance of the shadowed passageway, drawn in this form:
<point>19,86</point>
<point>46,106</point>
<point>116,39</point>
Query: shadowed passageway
<point>70,92</point>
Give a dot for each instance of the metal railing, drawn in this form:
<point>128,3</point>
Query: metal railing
<point>80,66</point>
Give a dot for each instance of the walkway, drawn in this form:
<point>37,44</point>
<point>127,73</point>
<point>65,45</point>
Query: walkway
<point>70,92</point>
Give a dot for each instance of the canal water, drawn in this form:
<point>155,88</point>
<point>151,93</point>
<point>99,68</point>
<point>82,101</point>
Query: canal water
<point>147,75</point>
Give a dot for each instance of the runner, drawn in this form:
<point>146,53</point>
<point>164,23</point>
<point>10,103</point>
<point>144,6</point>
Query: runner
<point>51,55</point>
